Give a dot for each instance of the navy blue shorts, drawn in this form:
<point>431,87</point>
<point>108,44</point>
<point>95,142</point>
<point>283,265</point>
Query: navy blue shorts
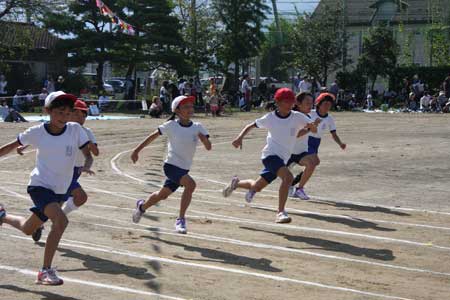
<point>74,184</point>
<point>313,145</point>
<point>174,175</point>
<point>271,164</point>
<point>41,198</point>
<point>296,158</point>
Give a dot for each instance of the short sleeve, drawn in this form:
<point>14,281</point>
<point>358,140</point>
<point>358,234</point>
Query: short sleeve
<point>203,130</point>
<point>91,136</point>
<point>332,125</point>
<point>263,122</point>
<point>30,136</point>
<point>165,128</point>
<point>301,120</point>
<point>83,139</point>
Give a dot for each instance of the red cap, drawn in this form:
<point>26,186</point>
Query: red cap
<point>323,96</point>
<point>284,94</point>
<point>80,105</point>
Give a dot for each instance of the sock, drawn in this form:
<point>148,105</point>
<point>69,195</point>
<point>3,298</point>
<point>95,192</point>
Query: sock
<point>69,207</point>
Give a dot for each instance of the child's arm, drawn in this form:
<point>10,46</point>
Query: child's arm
<point>338,140</point>
<point>89,160</point>
<point>237,143</point>
<point>205,141</point>
<point>94,149</point>
<point>303,131</point>
<point>5,149</point>
<point>145,143</point>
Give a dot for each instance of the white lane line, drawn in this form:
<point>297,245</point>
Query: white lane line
<point>93,284</point>
<point>127,253</point>
<point>231,219</point>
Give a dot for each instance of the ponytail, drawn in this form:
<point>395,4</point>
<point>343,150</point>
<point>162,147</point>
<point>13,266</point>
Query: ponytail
<point>172,117</point>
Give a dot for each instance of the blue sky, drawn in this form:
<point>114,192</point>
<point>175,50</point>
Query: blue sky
<point>287,6</point>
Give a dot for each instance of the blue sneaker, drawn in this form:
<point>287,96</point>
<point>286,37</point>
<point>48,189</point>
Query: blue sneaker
<point>2,214</point>
<point>180,226</point>
<point>137,213</point>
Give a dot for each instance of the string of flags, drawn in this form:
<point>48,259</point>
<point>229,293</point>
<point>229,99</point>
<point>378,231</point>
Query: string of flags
<point>107,12</point>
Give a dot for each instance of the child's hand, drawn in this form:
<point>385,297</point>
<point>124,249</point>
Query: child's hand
<point>135,156</point>
<point>87,171</point>
<point>21,149</point>
<point>317,122</point>
<point>237,143</point>
<point>343,146</point>
<point>312,127</point>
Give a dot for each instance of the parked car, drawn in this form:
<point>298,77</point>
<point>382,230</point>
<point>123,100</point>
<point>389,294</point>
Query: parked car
<point>117,85</point>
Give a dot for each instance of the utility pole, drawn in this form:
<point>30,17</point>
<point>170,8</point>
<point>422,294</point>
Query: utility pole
<point>344,34</point>
<point>195,35</point>
<point>277,21</point>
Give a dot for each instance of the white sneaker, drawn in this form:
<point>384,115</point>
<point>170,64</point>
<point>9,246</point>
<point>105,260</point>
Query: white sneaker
<point>48,277</point>
<point>300,193</point>
<point>180,226</point>
<point>137,213</point>
<point>283,217</point>
<point>228,190</point>
<point>291,192</point>
<point>249,196</point>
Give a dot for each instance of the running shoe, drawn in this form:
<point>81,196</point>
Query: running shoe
<point>48,277</point>
<point>291,191</point>
<point>249,196</point>
<point>229,189</point>
<point>137,213</point>
<point>2,213</point>
<point>300,193</point>
<point>180,226</point>
<point>37,234</point>
<point>283,217</point>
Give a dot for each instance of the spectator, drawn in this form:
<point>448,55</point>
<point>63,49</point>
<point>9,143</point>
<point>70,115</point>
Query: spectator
<point>418,87</point>
<point>212,86</point>
<point>198,91</point>
<point>3,84</point>
<point>446,108</point>
<point>18,101</point>
<point>182,86</point>
<point>188,88</point>
<point>156,109</point>
<point>42,96</point>
<point>103,100</point>
<point>164,97</point>
<point>10,115</point>
<point>297,81</point>
<point>60,85</point>
<point>272,91</point>
<point>305,86</point>
<point>214,105</point>
<point>334,88</point>
<point>425,101</point>
<point>172,90</point>
<point>49,84</point>
<point>246,90</point>
<point>29,100</point>
<point>369,102</point>
<point>262,89</point>
<point>93,109</point>
<point>412,101</point>
<point>4,110</point>
<point>447,86</point>
<point>441,100</point>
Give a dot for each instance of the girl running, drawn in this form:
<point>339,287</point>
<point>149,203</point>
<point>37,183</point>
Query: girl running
<point>183,135</point>
<point>301,156</point>
<point>283,125</point>
<point>323,105</point>
<point>57,143</point>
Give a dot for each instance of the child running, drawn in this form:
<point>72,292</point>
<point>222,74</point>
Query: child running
<point>283,125</point>
<point>301,156</point>
<point>57,143</point>
<point>324,102</point>
<point>183,135</point>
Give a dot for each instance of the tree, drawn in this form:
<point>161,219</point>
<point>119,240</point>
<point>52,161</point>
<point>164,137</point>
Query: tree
<point>275,61</point>
<point>379,55</point>
<point>316,43</point>
<point>241,33</point>
<point>157,41</point>
<point>87,33</point>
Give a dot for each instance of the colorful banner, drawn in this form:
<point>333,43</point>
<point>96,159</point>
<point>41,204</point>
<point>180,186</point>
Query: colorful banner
<point>105,11</point>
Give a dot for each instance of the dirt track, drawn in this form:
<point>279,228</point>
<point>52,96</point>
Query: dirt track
<point>378,226</point>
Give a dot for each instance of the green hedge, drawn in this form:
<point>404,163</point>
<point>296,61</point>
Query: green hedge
<point>433,77</point>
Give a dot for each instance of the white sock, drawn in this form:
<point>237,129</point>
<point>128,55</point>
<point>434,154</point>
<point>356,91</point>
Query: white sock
<point>69,207</point>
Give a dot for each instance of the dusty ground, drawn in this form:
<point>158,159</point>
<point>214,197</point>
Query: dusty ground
<point>378,226</point>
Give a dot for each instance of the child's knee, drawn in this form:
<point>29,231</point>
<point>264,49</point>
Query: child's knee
<point>60,224</point>
<point>80,199</point>
<point>287,178</point>
<point>191,185</point>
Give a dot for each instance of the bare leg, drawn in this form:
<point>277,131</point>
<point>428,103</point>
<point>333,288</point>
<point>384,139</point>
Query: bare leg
<point>253,185</point>
<point>286,181</point>
<point>27,226</point>
<point>189,188</point>
<point>310,163</point>
<point>56,215</point>
<point>79,196</point>
<point>155,197</point>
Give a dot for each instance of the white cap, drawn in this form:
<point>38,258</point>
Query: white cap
<point>180,100</point>
<point>53,96</point>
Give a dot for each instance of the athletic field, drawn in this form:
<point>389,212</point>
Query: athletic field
<point>377,227</point>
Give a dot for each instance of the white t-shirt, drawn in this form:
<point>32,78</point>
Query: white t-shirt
<point>282,135</point>
<point>55,155</point>
<point>304,86</point>
<point>245,86</point>
<point>327,124</point>
<point>301,145</point>
<point>79,162</point>
<point>183,141</point>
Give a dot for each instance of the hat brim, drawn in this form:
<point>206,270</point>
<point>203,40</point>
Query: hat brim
<point>67,96</point>
<point>188,99</point>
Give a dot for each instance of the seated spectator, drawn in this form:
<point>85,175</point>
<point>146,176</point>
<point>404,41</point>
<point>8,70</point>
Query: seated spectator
<point>42,96</point>
<point>93,110</point>
<point>446,108</point>
<point>10,115</point>
<point>156,109</point>
<point>103,101</point>
<point>425,102</point>
<point>4,110</point>
<point>441,100</point>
